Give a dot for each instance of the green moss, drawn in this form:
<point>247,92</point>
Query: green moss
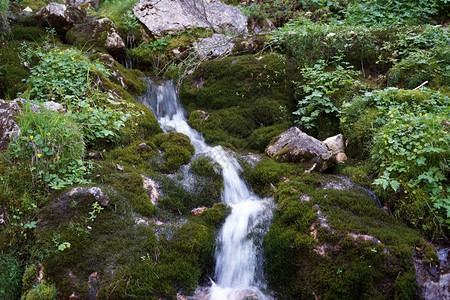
<point>357,174</point>
<point>141,126</point>
<point>12,72</point>
<point>216,215</point>
<point>41,291</point>
<point>10,274</point>
<point>29,277</point>
<point>33,4</point>
<point>32,34</point>
<point>349,268</point>
<point>177,148</point>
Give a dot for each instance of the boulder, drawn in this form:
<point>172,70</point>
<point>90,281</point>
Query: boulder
<point>8,126</point>
<point>101,33</point>
<point>336,145</point>
<point>215,46</point>
<point>296,146</point>
<point>198,211</point>
<point>54,106</point>
<point>61,17</point>
<point>169,16</point>
<point>84,3</point>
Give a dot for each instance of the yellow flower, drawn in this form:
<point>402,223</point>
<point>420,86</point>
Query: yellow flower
<point>385,142</point>
<point>394,122</point>
<point>31,137</point>
<point>73,71</point>
<point>389,112</point>
<point>39,155</point>
<point>72,58</point>
<point>58,157</point>
<point>392,115</point>
<point>445,132</point>
<point>60,52</point>
<point>420,114</point>
<point>426,115</point>
<point>90,108</point>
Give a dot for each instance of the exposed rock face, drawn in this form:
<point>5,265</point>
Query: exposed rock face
<point>61,17</point>
<point>84,3</point>
<point>198,211</point>
<point>8,126</point>
<point>169,16</point>
<point>336,145</point>
<point>214,46</point>
<point>53,106</point>
<point>296,146</point>
<point>434,280</point>
<point>100,33</point>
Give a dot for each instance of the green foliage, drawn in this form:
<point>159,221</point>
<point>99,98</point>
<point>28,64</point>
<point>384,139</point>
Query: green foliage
<point>120,13</point>
<point>52,147</point>
<point>323,91</point>
<point>12,72</point>
<point>10,274</point>
<point>29,277</point>
<point>42,291</point>
<point>31,34</point>
<point>393,13</point>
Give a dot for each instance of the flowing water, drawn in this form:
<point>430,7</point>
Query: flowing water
<point>238,271</point>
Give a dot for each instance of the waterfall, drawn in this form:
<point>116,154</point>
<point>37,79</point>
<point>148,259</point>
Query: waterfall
<point>238,271</point>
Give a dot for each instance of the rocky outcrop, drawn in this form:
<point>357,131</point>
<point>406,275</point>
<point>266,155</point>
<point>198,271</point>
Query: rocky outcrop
<point>296,146</point>
<point>169,16</point>
<point>61,17</point>
<point>8,126</point>
<point>100,33</point>
<point>337,147</point>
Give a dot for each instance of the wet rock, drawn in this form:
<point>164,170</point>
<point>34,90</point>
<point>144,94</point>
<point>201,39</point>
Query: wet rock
<point>9,128</point>
<point>433,279</point>
<point>95,155</point>
<point>296,146</point>
<point>101,33</point>
<point>93,285</point>
<point>167,16</point>
<point>215,46</point>
<point>61,17</point>
<point>198,211</point>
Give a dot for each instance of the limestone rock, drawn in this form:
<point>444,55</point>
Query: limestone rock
<point>337,147</point>
<point>8,127</point>
<point>84,3</point>
<point>296,146</point>
<point>100,33</point>
<point>61,17</point>
<point>215,46</point>
<point>169,16</point>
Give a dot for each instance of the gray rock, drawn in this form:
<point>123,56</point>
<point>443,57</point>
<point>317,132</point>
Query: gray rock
<point>53,106</point>
<point>9,128</point>
<point>215,46</point>
<point>84,3</point>
<point>336,145</point>
<point>101,33</point>
<point>169,16</point>
<point>296,146</point>
<point>61,17</point>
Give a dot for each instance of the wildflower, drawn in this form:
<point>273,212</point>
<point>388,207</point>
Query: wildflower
<point>426,115</point>
<point>31,137</point>
<point>73,70</point>
<point>385,142</point>
<point>39,155</point>
<point>331,34</point>
<point>60,52</point>
<point>58,157</point>
<point>392,115</point>
<point>72,58</point>
<point>394,122</point>
<point>445,132</point>
<point>90,108</point>
<point>420,114</point>
<point>389,112</point>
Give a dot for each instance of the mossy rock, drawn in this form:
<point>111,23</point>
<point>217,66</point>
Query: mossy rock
<point>31,34</point>
<point>216,215</point>
<point>228,99</point>
<point>336,244</point>
<point>177,149</point>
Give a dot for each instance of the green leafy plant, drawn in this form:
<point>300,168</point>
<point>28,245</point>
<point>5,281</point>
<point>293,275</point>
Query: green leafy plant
<point>52,146</point>
<point>318,90</point>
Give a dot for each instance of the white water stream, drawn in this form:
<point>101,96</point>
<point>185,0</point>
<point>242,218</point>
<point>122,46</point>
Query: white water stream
<point>238,271</point>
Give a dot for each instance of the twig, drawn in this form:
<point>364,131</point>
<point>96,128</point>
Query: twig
<point>420,85</point>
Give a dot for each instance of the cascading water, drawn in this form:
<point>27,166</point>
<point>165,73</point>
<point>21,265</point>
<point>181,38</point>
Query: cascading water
<point>238,272</point>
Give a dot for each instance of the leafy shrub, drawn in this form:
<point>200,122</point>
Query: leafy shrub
<point>10,274</point>
<point>323,91</point>
<point>52,145</point>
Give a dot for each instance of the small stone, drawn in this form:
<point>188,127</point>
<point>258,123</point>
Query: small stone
<point>119,167</point>
<point>340,157</point>
<point>53,106</point>
<point>27,9</point>
<point>198,211</point>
